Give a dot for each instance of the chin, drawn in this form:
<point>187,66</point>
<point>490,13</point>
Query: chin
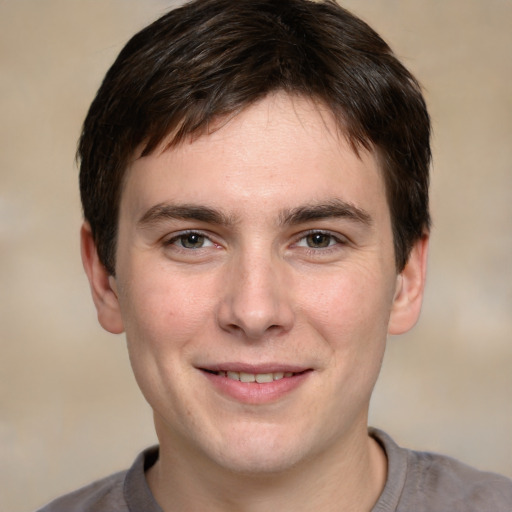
<point>260,453</point>
<point>264,462</point>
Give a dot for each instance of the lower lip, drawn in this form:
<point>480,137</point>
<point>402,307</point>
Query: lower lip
<point>254,392</point>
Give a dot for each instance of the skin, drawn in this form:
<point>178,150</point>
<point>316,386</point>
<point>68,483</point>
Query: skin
<point>264,245</point>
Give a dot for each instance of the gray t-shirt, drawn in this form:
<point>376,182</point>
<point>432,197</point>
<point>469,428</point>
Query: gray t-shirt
<point>416,482</point>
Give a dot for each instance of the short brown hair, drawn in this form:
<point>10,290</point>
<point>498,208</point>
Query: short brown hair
<point>211,58</point>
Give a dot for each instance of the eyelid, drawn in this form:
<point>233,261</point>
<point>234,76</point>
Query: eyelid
<point>338,237</point>
<point>174,237</point>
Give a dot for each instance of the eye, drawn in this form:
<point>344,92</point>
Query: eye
<point>191,240</point>
<point>318,240</point>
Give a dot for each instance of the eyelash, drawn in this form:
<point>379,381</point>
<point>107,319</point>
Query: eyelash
<point>183,234</point>
<point>333,240</point>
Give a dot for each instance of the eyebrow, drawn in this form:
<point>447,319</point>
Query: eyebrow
<point>164,211</point>
<point>335,208</point>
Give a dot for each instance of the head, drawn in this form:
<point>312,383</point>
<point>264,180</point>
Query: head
<point>254,179</point>
<point>211,59</point>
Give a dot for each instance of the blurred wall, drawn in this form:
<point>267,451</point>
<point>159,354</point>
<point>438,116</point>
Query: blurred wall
<point>69,408</point>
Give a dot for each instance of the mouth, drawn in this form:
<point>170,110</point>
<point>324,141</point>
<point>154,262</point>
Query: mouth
<point>260,378</point>
<point>256,385</point>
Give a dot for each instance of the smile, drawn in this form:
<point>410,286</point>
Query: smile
<point>256,385</point>
<point>260,378</point>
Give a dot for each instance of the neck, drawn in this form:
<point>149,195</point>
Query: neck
<point>349,478</point>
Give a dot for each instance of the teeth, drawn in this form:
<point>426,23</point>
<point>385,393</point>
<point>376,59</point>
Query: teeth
<point>261,378</point>
<point>247,377</point>
<point>264,377</point>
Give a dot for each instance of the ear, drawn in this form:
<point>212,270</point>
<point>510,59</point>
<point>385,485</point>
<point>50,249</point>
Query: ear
<point>410,285</point>
<point>103,285</point>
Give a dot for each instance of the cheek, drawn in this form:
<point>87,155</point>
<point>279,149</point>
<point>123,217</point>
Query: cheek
<point>350,309</point>
<point>163,320</point>
<point>163,311</point>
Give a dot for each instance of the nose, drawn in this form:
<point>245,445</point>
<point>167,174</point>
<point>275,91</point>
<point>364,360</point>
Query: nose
<point>255,300</point>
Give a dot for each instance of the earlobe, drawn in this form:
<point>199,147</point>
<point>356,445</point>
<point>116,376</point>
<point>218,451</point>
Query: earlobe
<point>409,289</point>
<point>103,285</point>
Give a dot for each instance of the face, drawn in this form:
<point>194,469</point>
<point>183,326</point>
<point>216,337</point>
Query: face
<point>256,282</point>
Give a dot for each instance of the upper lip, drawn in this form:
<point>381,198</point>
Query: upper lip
<point>254,368</point>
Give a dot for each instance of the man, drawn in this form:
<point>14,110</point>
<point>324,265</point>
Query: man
<point>254,179</point>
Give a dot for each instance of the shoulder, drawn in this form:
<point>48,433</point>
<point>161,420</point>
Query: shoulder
<point>428,482</point>
<point>120,492</point>
<point>105,494</point>
<point>448,482</point>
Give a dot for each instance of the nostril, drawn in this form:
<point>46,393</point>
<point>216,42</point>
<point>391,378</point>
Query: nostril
<point>255,307</point>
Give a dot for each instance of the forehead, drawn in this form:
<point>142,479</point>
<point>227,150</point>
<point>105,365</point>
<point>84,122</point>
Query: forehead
<point>282,144</point>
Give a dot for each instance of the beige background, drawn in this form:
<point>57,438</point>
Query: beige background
<point>69,408</point>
